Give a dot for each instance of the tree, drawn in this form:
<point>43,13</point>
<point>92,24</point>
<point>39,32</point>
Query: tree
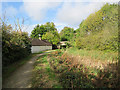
<point>99,30</point>
<point>47,31</point>
<point>35,33</point>
<point>66,34</point>
<point>52,37</point>
<point>48,27</point>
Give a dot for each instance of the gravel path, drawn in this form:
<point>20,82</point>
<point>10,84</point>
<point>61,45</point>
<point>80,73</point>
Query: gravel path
<point>21,78</point>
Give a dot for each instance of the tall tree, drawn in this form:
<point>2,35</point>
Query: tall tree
<point>66,34</point>
<point>35,33</point>
<point>100,29</point>
<point>48,27</point>
<point>47,32</point>
<point>52,37</point>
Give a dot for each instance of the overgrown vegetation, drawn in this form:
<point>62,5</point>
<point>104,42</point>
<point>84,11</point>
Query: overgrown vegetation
<point>15,45</point>
<point>94,54</point>
<point>44,76</point>
<point>73,72</point>
<point>100,30</point>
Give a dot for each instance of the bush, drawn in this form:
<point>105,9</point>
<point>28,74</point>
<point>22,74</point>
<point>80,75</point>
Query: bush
<point>15,45</point>
<point>80,43</point>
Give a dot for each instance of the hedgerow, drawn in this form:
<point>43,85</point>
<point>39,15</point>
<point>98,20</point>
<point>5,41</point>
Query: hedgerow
<point>15,45</point>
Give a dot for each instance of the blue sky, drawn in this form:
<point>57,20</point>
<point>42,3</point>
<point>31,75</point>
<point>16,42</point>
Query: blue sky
<point>62,13</point>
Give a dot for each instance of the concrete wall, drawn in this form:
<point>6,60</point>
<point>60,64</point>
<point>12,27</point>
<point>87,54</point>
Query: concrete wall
<point>36,49</point>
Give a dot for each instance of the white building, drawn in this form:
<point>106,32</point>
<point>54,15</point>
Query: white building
<point>40,45</point>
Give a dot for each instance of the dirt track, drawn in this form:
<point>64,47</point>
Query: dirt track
<point>21,78</point>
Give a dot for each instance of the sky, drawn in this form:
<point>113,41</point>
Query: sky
<point>62,12</point>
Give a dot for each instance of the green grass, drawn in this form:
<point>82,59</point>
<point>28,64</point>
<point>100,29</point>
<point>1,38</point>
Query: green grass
<point>94,54</point>
<point>38,68</point>
<point>43,69</point>
<point>50,72</point>
<point>43,59</point>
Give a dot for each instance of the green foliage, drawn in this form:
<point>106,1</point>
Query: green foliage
<point>52,37</point>
<point>47,32</point>
<point>80,43</point>
<point>66,34</point>
<point>48,27</point>
<point>43,74</point>
<point>35,33</point>
<point>15,45</point>
<point>99,30</point>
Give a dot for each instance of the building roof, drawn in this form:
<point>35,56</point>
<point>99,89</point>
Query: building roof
<point>38,42</point>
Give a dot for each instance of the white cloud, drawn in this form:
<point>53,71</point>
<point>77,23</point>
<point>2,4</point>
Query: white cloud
<point>37,10</point>
<point>68,13</point>
<point>74,13</point>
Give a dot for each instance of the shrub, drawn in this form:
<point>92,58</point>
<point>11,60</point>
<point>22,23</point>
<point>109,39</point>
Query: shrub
<point>15,45</point>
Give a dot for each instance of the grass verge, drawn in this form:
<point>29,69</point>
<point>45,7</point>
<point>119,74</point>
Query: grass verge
<point>44,76</point>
